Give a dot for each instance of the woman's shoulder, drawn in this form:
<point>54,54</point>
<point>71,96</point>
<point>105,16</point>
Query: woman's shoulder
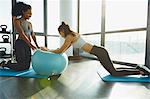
<point>73,37</point>
<point>75,34</point>
<point>15,21</point>
<point>18,20</point>
<point>69,36</point>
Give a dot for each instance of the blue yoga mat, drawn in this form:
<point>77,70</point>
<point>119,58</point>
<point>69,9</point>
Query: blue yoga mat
<point>27,73</point>
<point>110,78</point>
<point>133,78</point>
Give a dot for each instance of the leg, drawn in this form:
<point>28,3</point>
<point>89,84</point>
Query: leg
<point>23,57</point>
<point>104,58</point>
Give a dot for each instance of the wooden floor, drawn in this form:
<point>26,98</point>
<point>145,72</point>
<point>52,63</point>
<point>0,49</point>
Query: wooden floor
<point>79,81</point>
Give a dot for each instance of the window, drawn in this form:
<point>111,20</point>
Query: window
<point>53,17</point>
<point>53,42</point>
<point>127,47</point>
<point>90,16</point>
<point>126,14</point>
<point>37,14</point>
<point>40,40</point>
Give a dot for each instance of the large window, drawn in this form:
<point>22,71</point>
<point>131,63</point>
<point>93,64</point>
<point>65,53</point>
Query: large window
<point>127,47</point>
<point>53,22</point>
<point>37,14</point>
<point>53,17</point>
<point>90,16</point>
<point>126,14</point>
<point>119,15</point>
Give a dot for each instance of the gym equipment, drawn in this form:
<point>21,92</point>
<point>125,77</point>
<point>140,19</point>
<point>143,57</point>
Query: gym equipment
<point>26,73</point>
<point>48,63</point>
<point>5,38</point>
<point>2,51</point>
<point>3,27</point>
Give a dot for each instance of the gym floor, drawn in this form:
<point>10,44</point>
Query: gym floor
<point>79,81</point>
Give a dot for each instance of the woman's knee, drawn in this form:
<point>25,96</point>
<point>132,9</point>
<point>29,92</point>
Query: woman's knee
<point>115,74</point>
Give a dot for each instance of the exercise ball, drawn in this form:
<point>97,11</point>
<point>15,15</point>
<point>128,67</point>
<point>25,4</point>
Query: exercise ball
<point>48,63</point>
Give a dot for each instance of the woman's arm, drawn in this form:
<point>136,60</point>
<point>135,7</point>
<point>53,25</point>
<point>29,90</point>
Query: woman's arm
<point>63,48</point>
<point>67,43</point>
<point>33,35</point>
<point>22,34</point>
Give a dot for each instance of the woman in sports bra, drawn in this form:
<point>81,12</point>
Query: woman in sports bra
<point>23,44</point>
<point>73,38</point>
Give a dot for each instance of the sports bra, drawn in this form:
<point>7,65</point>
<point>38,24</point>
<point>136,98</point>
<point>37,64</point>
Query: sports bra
<point>25,26</point>
<point>79,42</point>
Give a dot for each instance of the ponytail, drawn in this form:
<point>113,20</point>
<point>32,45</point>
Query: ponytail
<point>66,29</point>
<point>19,8</point>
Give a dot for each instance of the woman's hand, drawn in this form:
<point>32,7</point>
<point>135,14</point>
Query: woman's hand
<point>44,48</point>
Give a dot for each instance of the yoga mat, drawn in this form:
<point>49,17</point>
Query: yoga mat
<point>106,77</point>
<point>27,73</point>
<point>133,78</point>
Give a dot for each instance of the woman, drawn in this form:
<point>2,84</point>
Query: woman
<point>23,44</point>
<point>101,53</point>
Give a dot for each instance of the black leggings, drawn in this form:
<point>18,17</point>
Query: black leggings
<point>104,59</point>
<point>23,56</point>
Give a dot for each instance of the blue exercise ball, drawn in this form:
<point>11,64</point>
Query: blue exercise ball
<point>48,63</point>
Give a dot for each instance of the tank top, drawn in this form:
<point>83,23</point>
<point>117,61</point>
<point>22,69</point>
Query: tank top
<point>25,26</point>
<point>79,42</point>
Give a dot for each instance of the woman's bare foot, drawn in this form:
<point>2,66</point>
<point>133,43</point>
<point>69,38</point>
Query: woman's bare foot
<point>144,72</point>
<point>2,63</point>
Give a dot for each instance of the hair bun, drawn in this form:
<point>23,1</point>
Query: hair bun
<point>63,23</point>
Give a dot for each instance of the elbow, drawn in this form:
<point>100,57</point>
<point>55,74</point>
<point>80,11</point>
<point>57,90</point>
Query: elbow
<point>63,51</point>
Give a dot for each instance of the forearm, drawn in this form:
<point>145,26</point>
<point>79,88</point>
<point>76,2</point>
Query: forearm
<point>56,51</point>
<point>36,44</point>
<point>34,39</point>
